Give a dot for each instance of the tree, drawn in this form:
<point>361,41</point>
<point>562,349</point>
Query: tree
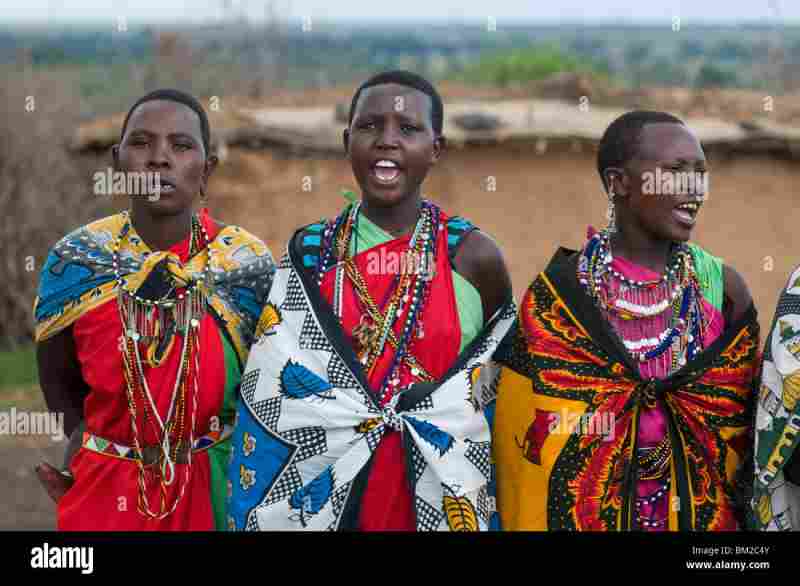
<point>714,76</point>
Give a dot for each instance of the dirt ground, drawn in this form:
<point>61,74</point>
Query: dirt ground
<point>540,201</point>
<point>24,505</point>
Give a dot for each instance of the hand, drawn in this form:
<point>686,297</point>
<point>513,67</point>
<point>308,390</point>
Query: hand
<point>55,482</point>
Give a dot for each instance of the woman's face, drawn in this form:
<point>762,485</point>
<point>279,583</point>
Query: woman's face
<point>165,137</point>
<point>665,184</point>
<point>391,143</point>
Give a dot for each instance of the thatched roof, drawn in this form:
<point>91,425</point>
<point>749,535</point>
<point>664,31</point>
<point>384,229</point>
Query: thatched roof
<point>467,124</point>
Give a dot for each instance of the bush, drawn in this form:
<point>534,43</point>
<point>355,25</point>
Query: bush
<point>713,76</point>
<point>526,65</point>
<point>44,192</point>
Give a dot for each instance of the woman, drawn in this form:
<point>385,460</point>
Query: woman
<point>625,397</point>
<point>143,322</point>
<point>357,405</point>
<point>776,495</point>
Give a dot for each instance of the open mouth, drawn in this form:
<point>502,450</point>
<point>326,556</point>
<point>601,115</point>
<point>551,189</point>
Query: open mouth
<point>386,171</point>
<point>164,186</point>
<point>686,213</point>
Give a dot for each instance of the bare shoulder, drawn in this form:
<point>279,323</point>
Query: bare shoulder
<point>737,297</point>
<point>478,250</point>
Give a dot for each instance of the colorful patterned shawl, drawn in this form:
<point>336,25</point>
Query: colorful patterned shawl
<point>569,400</point>
<point>78,276</point>
<point>776,500</point>
<point>308,423</point>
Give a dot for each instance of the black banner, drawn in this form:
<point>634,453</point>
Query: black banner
<point>353,554</point>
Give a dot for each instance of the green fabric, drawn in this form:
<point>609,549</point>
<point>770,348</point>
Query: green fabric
<point>709,272</point>
<point>470,309</point>
<point>219,454</point>
<point>368,235</point>
<point>468,300</point>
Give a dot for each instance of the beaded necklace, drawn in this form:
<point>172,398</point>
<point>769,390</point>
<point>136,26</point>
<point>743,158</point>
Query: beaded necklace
<point>409,293</point>
<point>149,321</point>
<point>678,288</point>
<point>651,500</point>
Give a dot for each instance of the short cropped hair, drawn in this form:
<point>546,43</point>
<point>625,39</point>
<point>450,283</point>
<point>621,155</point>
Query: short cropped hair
<point>180,97</point>
<point>407,79</point>
<point>621,139</point>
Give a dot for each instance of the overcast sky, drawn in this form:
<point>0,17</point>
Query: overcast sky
<point>502,11</point>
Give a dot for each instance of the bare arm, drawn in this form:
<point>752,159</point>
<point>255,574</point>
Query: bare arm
<point>736,296</point>
<point>480,261</point>
<point>64,391</point>
<point>60,378</point>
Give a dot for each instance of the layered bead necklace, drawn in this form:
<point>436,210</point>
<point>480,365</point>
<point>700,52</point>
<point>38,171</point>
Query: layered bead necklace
<point>677,288</point>
<point>154,323</point>
<point>409,292</point>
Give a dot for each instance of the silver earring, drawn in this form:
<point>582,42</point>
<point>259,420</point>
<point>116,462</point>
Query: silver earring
<point>611,212</point>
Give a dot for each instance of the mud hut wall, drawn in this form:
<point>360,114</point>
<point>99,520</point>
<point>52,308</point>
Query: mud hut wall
<point>530,202</point>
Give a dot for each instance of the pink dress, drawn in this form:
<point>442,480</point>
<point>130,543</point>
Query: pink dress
<point>652,507</point>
